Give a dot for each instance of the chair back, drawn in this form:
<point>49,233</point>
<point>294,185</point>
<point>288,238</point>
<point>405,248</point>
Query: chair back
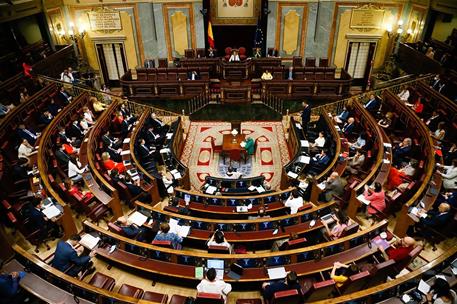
<point>356,282</point>
<point>166,244</point>
<point>218,249</point>
<point>208,298</point>
<point>287,297</point>
<point>351,229</point>
<point>115,228</point>
<point>322,290</point>
<point>294,244</point>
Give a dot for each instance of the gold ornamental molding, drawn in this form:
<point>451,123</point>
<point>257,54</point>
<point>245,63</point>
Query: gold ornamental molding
<point>367,17</point>
<point>105,20</point>
<point>290,35</point>
<point>179,27</point>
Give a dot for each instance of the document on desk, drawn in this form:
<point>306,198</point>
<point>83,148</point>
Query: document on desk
<point>177,174</point>
<point>210,190</point>
<point>322,185</point>
<point>89,241</point>
<point>418,212</point>
<point>126,140</point>
<point>252,188</point>
<point>304,159</point>
<point>182,231</point>
<point>51,211</point>
<point>169,135</point>
<point>298,125</point>
<point>304,143</point>
<point>292,174</point>
<point>241,208</point>
<point>164,151</point>
<point>125,152</point>
<point>260,189</point>
<point>388,145</point>
<point>138,218</point>
<point>199,273</point>
<point>362,199</point>
<point>423,287</point>
<point>277,273</point>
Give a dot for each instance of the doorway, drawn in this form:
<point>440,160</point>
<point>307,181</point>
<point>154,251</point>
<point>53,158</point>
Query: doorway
<point>111,57</point>
<point>358,62</point>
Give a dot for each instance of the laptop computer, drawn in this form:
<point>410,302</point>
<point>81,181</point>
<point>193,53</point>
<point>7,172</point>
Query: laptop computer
<point>218,265</point>
<point>327,218</point>
<point>236,271</point>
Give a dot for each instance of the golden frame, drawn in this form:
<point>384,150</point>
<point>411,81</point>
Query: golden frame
<point>215,20</point>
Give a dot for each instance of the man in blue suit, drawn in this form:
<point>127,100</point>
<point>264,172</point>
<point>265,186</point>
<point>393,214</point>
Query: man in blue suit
<point>402,151</point>
<point>372,105</point>
<point>66,255</point>
<point>25,133</point>
<point>435,220</point>
<point>9,287</point>
<point>348,126</point>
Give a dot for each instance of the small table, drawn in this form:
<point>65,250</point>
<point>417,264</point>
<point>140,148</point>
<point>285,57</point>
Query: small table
<point>233,149</point>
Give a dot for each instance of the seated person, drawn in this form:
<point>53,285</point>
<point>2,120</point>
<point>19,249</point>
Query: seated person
<point>97,105</point>
<point>211,284</point>
<point>449,175</point>
<point>355,162</point>
<point>447,197</point>
<point>359,143</point>
<point>130,230</point>
<point>134,187</point>
<point>418,106</point>
<point>343,116</point>
<point>270,288</point>
<point>110,164</point>
<point>54,108</point>
<point>249,145</point>
<point>111,142</point>
<point>396,178</point>
<point>283,244</point>
<point>319,161</point>
<point>404,94</point>
<point>169,181</point>
<point>386,121</point>
<point>144,152</point>
<point>62,156</point>
<point>74,169</point>
<point>66,255</point>
<point>25,150</point>
<point>234,56</point>
<point>377,199</point>
<point>266,75</point>
<point>4,110</point>
<point>89,116</point>
<point>399,250</point>
<point>433,120</point>
<point>25,133</point>
<point>84,125</point>
<point>294,202</point>
<point>73,189</point>
<point>75,130</point>
<point>373,104</point>
<point>233,173</point>
<point>9,287</point>
<point>45,118</point>
<point>38,221</point>
<point>435,220</point>
<point>334,185</point>
<point>319,142</point>
<point>440,131</point>
<point>342,221</point>
<point>402,151</point>
<point>165,235</point>
<point>441,293</point>
<point>154,137</point>
<point>218,239</point>
<point>341,272</point>
<point>348,126</point>
<point>156,123</point>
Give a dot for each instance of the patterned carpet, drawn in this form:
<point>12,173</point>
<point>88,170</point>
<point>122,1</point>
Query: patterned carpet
<point>271,155</point>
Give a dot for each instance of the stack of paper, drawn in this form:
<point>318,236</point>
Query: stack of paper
<point>386,161</point>
<point>304,159</point>
<point>298,125</point>
<point>51,211</point>
<point>362,199</point>
<point>138,218</point>
<point>277,273</point>
<point>182,231</point>
<point>89,241</point>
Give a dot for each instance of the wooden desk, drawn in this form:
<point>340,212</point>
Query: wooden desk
<point>236,91</point>
<point>233,148</point>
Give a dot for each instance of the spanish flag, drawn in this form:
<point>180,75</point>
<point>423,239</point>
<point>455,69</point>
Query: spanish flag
<point>210,35</point>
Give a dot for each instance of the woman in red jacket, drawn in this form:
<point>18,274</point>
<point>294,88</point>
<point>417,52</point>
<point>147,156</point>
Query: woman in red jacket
<point>377,199</point>
<point>109,164</point>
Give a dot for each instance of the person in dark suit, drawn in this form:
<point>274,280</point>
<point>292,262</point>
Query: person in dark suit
<point>27,134</point>
<point>156,123</point>
<point>130,230</point>
<point>436,220</point>
<point>402,151</point>
<point>75,131</point>
<point>305,116</point>
<point>111,142</point>
<point>433,120</point>
<point>447,197</point>
<point>38,220</point>
<point>144,151</point>
<point>154,137</point>
<point>270,288</point>
<point>9,287</point>
<point>62,157</point>
<point>64,96</point>
<point>66,255</point>
<point>348,127</point>
<point>333,186</point>
<point>319,162</point>
<point>373,104</point>
<point>54,108</point>
<point>193,75</point>
<point>45,118</point>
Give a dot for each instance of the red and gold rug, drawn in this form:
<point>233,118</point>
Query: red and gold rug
<point>271,154</point>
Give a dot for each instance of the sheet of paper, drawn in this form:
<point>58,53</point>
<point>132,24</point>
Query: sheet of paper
<point>386,161</point>
<point>174,171</point>
<point>388,145</point>
<point>51,211</point>
<point>249,206</point>
<point>182,231</point>
<point>169,135</point>
<point>277,273</point>
<point>406,298</point>
<point>251,188</point>
<point>242,144</point>
<point>138,218</point>
<point>199,273</point>
<point>298,125</point>
<point>304,159</point>
<point>260,189</point>
<point>292,174</point>
<point>164,151</point>
<point>126,140</point>
<point>125,152</point>
<point>362,199</point>
<point>89,241</point>
<point>304,143</point>
<point>321,185</point>
<point>303,185</point>
<point>241,209</point>
<point>381,242</point>
<point>210,190</point>
<point>177,175</point>
<point>423,287</point>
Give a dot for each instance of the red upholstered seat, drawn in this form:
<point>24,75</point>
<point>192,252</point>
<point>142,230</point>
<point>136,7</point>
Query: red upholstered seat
<point>103,281</point>
<point>131,291</point>
<point>287,297</point>
<point>177,299</point>
<point>218,249</point>
<point>249,301</point>
<point>208,298</point>
<point>166,244</point>
<point>155,297</point>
